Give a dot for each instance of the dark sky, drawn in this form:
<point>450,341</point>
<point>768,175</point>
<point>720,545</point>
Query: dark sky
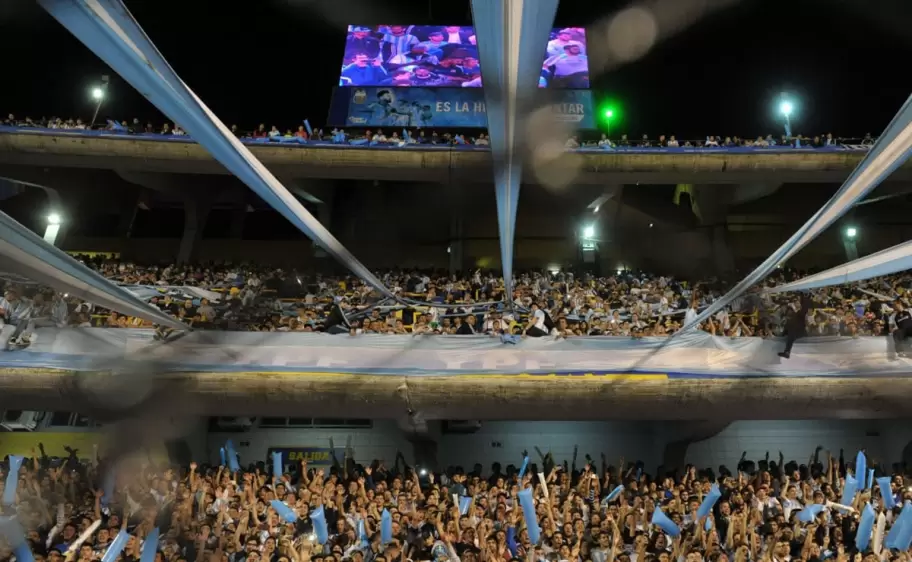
<point>276,61</point>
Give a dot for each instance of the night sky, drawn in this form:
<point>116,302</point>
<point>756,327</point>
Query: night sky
<point>276,61</point>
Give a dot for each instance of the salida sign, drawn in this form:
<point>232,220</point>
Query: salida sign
<point>315,456</point>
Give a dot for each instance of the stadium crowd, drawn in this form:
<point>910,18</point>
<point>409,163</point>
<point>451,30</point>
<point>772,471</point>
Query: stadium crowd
<point>560,304</point>
<point>377,137</point>
<point>765,511</point>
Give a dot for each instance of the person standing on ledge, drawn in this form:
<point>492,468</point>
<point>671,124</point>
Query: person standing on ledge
<point>796,324</point>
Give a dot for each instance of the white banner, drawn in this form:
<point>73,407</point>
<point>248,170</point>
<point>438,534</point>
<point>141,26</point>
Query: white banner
<point>695,354</point>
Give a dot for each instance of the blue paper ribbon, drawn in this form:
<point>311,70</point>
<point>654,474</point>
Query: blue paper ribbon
<point>12,480</point>
<point>117,546</point>
<point>107,486</point>
<point>896,531</point>
<point>528,509</point>
<point>870,479</point>
<point>808,514</point>
<point>863,535</point>
<point>464,503</point>
<point>386,527</point>
<point>849,490</point>
<point>525,466</point>
<point>150,546</point>
<point>662,521</point>
<point>614,494</point>
<point>709,501</point>
<point>318,517</point>
<point>290,516</point>
<point>861,468</point>
<point>886,492</point>
<point>277,469</point>
<point>233,464</point>
<point>223,457</point>
<point>12,531</point>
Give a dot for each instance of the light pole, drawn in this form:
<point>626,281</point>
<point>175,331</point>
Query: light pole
<point>99,94</point>
<point>786,108</point>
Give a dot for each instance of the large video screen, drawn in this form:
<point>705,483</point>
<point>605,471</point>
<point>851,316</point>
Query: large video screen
<point>447,56</point>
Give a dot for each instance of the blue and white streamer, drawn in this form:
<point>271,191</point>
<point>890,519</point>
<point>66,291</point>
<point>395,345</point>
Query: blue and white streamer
<point>511,36</point>
<point>12,480</point>
<point>110,31</point>
<point>890,151</point>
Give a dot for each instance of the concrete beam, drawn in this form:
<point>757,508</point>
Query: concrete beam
<point>483,398</point>
<point>430,165</point>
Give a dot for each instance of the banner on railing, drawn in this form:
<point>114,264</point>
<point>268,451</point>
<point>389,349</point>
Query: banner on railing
<point>695,354</point>
<point>441,107</point>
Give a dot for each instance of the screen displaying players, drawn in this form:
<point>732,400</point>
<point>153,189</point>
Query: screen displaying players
<point>447,56</point>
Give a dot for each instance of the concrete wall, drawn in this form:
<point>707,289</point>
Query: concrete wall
<point>504,442</point>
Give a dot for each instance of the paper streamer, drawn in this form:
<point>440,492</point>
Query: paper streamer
<point>319,522</point>
<point>849,490</point>
<point>107,486</point>
<point>528,508</point>
<point>709,501</point>
<point>544,484</point>
<point>660,520</point>
<point>525,466</point>
<point>362,533</point>
<point>117,546</point>
<point>863,535</point>
<point>708,525</point>
<point>904,539</point>
<point>861,469</point>
<point>277,468</point>
<point>12,531</point>
<point>12,480</point>
<point>810,512</point>
<point>386,527</point>
<point>150,546</point>
<point>464,503</point>
<point>896,531</point>
<point>223,457</point>
<point>870,483</point>
<point>290,516</point>
<point>879,533</point>
<point>886,491</point>
<point>75,546</point>
<point>308,128</point>
<point>614,494</point>
<point>233,464</point>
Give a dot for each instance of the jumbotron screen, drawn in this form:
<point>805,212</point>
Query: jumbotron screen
<point>442,56</point>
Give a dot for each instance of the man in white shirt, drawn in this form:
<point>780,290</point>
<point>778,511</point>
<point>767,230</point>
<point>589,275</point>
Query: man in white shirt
<point>535,327</point>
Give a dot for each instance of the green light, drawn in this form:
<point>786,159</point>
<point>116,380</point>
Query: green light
<point>609,114</point>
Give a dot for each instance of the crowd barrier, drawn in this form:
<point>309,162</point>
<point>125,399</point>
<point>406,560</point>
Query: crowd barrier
<point>692,355</point>
<point>363,143</point>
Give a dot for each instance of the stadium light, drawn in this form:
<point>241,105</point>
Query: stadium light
<point>786,108</point>
<point>53,228</point>
<point>99,93</point>
<point>851,232</point>
<point>588,232</point>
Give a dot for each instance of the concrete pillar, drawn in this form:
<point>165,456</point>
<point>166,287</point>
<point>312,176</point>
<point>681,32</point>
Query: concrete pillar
<point>196,211</point>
